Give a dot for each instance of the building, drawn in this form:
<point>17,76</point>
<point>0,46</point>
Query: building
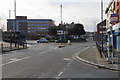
<point>113,24</point>
<point>18,24</point>
<point>101,28</point>
<point>39,27</point>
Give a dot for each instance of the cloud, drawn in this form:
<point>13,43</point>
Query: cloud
<point>82,11</point>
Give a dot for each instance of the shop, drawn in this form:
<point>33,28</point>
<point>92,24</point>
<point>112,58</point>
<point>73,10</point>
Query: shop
<point>117,36</point>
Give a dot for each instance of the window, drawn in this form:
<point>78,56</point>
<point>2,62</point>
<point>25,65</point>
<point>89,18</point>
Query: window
<point>41,24</point>
<point>28,30</point>
<point>31,27</point>
<point>44,24</point>
<point>47,24</point>
<point>28,27</point>
<point>28,24</point>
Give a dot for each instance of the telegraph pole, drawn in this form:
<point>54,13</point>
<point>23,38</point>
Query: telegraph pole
<point>15,13</point>
<point>102,21</point>
<point>101,10</point>
<point>15,21</point>
<point>9,14</point>
<point>61,12</point>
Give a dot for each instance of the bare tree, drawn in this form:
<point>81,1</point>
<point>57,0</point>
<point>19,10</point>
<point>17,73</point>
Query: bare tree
<point>3,27</point>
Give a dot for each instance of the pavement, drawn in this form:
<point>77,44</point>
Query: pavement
<point>91,56</point>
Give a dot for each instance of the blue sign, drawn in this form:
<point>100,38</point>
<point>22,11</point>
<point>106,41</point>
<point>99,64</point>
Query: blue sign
<point>114,18</point>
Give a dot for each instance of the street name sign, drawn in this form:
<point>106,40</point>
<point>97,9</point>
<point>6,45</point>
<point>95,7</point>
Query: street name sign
<point>114,18</point>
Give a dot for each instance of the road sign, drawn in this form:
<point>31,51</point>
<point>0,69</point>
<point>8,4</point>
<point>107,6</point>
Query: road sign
<point>59,32</point>
<point>114,18</point>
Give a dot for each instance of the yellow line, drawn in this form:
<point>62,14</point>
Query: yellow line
<point>85,63</point>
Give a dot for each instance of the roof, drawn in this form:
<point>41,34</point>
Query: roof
<point>33,19</point>
<point>107,9</point>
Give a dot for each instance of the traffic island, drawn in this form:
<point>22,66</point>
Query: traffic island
<point>61,45</point>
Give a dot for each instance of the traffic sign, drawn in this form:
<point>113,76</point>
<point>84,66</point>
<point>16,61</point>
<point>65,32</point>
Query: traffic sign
<point>59,32</point>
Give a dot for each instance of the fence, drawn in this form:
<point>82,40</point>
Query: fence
<point>112,54</point>
<point>103,53</point>
<point>12,46</point>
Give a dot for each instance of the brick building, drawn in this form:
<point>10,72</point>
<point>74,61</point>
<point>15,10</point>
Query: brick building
<point>113,29</point>
<point>101,27</point>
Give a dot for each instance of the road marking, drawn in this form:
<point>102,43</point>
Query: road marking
<point>15,60</point>
<point>55,48</point>
<point>82,50</point>
<point>66,59</point>
<point>85,63</point>
<point>60,74</point>
<point>45,51</point>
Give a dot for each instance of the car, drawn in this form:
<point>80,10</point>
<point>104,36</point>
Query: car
<point>42,40</point>
<point>60,41</point>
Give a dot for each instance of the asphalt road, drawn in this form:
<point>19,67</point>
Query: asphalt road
<point>46,60</point>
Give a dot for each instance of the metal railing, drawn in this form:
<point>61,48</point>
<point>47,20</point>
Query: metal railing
<point>13,46</point>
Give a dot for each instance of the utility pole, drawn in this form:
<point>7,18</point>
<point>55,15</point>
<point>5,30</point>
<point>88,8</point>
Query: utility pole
<point>15,13</point>
<point>9,14</point>
<point>102,21</point>
<point>61,12</point>
<point>15,20</point>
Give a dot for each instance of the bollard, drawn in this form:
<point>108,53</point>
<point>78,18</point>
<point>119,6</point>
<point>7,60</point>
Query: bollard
<point>69,42</point>
<point>23,44</point>
<point>18,45</point>
<point>2,47</point>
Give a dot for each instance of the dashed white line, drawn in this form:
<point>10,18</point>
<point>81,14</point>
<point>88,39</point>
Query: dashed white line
<point>47,51</point>
<point>60,74</point>
<point>15,60</point>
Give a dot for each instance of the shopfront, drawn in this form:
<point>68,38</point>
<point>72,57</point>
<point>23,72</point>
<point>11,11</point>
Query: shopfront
<point>117,34</point>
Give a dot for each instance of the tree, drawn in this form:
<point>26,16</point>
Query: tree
<point>76,29</point>
<point>3,27</point>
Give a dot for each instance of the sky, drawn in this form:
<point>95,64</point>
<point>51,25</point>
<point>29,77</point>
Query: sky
<point>86,12</point>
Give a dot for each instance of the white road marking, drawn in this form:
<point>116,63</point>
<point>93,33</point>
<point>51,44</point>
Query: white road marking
<point>55,48</point>
<point>60,74</point>
<point>67,59</point>
<point>47,51</point>
<point>15,60</point>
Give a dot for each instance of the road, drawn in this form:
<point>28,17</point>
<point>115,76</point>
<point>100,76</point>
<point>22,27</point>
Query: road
<point>46,60</point>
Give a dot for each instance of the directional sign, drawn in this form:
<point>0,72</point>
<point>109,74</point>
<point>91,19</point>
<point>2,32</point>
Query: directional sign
<point>59,32</point>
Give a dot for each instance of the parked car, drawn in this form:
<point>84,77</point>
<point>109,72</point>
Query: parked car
<point>42,40</point>
<point>60,41</point>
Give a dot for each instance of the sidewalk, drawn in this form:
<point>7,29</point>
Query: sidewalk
<point>92,56</point>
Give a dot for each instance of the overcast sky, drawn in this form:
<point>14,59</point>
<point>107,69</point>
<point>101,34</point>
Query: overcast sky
<point>86,12</point>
